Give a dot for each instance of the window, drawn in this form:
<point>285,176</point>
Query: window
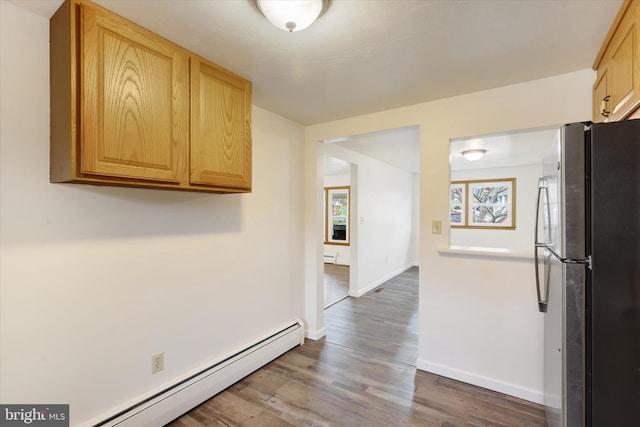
<point>483,204</point>
<point>336,215</point>
<point>457,204</point>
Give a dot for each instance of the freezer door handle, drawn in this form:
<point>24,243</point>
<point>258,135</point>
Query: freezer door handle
<point>542,188</point>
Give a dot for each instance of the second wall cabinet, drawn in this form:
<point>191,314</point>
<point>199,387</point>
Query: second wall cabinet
<point>130,108</point>
<point>220,127</point>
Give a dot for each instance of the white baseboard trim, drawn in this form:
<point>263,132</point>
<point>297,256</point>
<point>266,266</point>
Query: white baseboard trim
<point>379,282</point>
<point>160,407</point>
<point>317,334</point>
<point>535,396</point>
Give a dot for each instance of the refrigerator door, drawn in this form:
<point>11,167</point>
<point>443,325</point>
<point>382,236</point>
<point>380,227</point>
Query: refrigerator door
<point>563,169</point>
<point>551,283</point>
<point>573,250</point>
<point>553,375</point>
<point>615,279</point>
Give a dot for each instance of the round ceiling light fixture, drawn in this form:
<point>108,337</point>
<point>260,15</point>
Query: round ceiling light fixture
<point>473,155</point>
<point>292,15</point>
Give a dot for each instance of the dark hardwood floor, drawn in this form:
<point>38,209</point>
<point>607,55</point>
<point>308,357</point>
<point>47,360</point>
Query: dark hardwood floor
<point>336,283</point>
<point>362,374</point>
<point>383,322</point>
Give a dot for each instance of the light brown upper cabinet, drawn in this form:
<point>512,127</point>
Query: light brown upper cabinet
<point>616,91</point>
<point>220,127</point>
<point>130,108</point>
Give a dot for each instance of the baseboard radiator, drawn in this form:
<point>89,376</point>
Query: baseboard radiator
<point>174,401</point>
<point>330,258</point>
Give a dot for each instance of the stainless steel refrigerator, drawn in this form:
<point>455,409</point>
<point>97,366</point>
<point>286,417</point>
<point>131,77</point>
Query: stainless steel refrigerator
<point>587,267</point>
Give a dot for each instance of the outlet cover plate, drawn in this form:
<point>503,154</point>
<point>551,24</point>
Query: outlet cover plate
<point>157,363</point>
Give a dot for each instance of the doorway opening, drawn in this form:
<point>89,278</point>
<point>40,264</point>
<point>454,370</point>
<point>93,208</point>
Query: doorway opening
<point>376,273</point>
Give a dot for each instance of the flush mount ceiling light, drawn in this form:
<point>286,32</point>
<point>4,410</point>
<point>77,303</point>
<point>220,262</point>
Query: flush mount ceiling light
<point>473,155</point>
<point>292,15</point>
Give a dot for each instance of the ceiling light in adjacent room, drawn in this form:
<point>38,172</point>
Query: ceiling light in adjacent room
<point>473,155</point>
<point>292,15</point>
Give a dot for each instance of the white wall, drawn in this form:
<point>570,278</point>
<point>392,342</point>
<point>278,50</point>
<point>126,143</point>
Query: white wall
<point>343,252</point>
<point>525,192</point>
<point>382,218</point>
<point>478,315</point>
<point>94,280</point>
<point>337,180</point>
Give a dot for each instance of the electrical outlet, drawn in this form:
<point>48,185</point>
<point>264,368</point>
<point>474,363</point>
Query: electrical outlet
<point>436,227</point>
<point>157,363</point>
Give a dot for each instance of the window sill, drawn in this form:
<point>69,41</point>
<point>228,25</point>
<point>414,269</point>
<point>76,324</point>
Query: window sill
<point>479,252</point>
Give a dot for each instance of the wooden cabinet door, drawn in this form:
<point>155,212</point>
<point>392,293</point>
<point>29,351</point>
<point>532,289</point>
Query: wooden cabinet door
<point>220,127</point>
<point>134,102</point>
<point>623,66</point>
<point>600,92</point>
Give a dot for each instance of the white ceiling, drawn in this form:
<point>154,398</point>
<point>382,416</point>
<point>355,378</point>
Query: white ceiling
<point>506,149</point>
<point>401,148</point>
<point>398,147</point>
<point>364,56</point>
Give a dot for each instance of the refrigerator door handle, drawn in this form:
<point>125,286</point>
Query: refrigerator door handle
<point>542,187</point>
<point>584,261</point>
<point>542,304</point>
